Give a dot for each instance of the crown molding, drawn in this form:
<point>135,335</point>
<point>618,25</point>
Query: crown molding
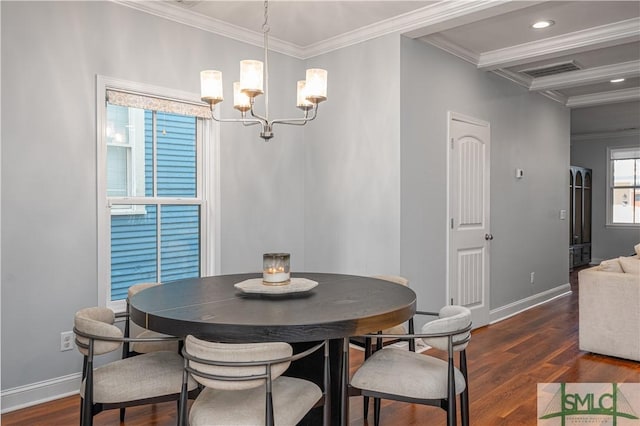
<point>603,36</point>
<point>605,135</point>
<point>448,46</point>
<point>555,96</point>
<point>437,14</point>
<point>588,76</point>
<point>518,78</point>
<point>434,16</point>
<point>614,96</point>
<point>525,81</point>
<point>193,19</point>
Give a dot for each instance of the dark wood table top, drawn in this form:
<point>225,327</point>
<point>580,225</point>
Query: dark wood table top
<point>212,308</point>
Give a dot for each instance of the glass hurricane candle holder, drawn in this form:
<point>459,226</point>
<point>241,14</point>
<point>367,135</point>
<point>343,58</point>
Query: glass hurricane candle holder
<point>275,268</point>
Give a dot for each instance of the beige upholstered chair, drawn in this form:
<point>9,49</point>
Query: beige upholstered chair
<point>135,330</point>
<point>138,380</point>
<point>244,384</point>
<point>370,344</point>
<point>401,375</point>
<point>367,342</point>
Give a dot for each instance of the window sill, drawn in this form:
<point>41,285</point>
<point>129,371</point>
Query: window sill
<point>117,306</point>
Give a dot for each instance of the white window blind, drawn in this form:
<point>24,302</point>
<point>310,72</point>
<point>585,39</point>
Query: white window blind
<point>625,153</point>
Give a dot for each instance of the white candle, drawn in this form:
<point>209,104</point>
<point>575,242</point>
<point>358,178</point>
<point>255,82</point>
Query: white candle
<point>275,268</point>
<point>275,277</point>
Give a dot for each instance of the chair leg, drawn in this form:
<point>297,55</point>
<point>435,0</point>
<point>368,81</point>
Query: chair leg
<point>87,402</point>
<point>182,402</point>
<point>122,415</point>
<point>376,411</point>
<point>81,411</point>
<point>367,354</point>
<point>464,408</point>
<point>412,342</point>
<point>464,396</point>
<point>451,397</point>
<point>365,402</point>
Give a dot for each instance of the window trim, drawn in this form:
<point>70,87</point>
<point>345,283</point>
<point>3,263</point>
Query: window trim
<point>208,191</point>
<point>609,190</point>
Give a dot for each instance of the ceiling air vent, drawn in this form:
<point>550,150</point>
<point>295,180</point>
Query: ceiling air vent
<point>551,69</point>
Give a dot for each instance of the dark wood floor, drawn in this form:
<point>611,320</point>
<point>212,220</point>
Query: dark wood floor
<point>506,361</point>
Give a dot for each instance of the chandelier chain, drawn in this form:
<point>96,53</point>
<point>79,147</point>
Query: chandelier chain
<point>265,25</point>
<point>265,30</point>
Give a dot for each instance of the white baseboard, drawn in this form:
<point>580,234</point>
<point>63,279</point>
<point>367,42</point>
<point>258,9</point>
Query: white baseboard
<point>522,305</point>
<point>37,393</point>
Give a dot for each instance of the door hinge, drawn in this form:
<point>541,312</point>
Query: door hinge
<point>451,223</point>
<point>451,143</point>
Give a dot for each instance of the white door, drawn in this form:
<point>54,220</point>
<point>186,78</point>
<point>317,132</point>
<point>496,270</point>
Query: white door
<point>469,226</point>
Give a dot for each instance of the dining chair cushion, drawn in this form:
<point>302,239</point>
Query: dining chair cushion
<point>451,318</point>
<point>138,377</point>
<point>99,322</point>
<point>146,347</point>
<point>401,372</point>
<point>292,399</point>
<point>236,352</point>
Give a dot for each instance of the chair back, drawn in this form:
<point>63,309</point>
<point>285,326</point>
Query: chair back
<point>137,288</point>
<point>230,366</point>
<point>98,322</point>
<point>451,319</point>
<point>394,279</point>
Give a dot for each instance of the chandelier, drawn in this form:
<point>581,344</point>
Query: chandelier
<point>310,92</point>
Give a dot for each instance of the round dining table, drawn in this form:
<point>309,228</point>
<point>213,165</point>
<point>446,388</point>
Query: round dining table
<point>339,306</point>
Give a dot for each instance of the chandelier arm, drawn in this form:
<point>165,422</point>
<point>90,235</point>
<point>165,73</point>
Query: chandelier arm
<point>245,121</point>
<point>297,121</point>
<point>257,116</point>
<point>253,123</point>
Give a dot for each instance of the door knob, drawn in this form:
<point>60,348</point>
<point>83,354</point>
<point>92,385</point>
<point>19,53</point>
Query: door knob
<point>488,237</point>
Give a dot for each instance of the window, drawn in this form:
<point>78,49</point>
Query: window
<point>623,197</point>
<point>153,187</point>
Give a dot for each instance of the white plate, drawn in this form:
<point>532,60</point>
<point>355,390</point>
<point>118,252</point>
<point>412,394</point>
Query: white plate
<point>255,285</point>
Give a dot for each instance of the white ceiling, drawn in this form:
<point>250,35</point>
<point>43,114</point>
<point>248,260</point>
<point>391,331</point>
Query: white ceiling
<point>602,38</point>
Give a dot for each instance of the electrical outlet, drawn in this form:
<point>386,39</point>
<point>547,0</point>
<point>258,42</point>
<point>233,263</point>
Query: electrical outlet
<point>66,341</point>
<point>533,276</point>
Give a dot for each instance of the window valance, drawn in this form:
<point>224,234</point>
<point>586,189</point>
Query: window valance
<point>155,103</point>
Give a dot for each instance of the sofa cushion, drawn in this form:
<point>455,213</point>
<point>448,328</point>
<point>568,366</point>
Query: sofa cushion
<point>610,265</point>
<point>630,265</point>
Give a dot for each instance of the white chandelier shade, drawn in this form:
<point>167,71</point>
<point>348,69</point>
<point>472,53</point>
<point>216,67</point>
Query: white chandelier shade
<point>254,81</point>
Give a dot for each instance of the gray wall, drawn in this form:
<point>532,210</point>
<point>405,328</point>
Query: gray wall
<point>528,131</point>
<point>51,53</point>
<point>607,242</point>
<point>352,166</point>
<point>360,190</point>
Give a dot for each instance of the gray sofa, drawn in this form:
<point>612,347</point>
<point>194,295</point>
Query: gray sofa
<point>609,308</point>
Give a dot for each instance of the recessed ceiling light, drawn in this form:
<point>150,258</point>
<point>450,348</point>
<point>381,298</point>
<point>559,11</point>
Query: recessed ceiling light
<point>542,24</point>
<point>617,80</point>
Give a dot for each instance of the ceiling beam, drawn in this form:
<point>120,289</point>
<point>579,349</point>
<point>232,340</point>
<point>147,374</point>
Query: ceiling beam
<point>588,76</point>
<point>444,15</point>
<point>579,41</point>
<point>612,97</point>
<point>431,19</point>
